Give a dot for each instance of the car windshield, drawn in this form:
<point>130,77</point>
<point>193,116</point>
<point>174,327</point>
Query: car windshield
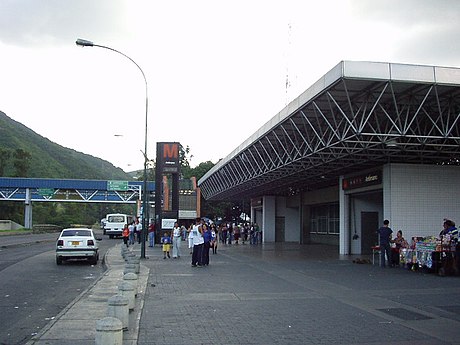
<point>116,219</point>
<point>67,233</point>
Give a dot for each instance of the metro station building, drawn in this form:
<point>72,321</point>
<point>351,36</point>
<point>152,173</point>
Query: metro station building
<point>368,141</point>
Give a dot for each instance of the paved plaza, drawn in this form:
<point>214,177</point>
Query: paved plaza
<point>294,294</point>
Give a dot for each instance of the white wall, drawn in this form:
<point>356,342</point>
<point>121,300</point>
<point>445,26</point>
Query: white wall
<point>418,197</point>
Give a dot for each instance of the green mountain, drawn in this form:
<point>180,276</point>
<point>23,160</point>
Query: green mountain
<point>46,159</point>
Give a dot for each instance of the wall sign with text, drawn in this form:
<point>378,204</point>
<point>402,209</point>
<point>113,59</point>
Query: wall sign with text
<point>369,179</point>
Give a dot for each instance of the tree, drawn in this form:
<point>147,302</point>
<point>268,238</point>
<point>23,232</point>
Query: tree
<point>201,169</point>
<point>4,156</point>
<point>150,172</point>
<point>212,209</point>
<point>184,161</point>
<point>21,162</point>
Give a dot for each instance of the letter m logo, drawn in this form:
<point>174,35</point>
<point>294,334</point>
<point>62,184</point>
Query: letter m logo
<point>171,150</point>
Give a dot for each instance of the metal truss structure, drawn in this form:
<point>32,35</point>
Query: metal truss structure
<point>358,116</point>
<point>88,191</point>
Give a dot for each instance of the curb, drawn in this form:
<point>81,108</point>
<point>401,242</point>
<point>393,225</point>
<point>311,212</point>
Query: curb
<point>71,317</point>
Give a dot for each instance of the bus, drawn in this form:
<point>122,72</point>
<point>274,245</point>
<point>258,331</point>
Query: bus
<point>114,223</point>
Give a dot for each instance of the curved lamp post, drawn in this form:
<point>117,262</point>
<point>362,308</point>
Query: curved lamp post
<point>145,202</point>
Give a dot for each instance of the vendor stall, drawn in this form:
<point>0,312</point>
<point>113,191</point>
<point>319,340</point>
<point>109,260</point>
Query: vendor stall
<point>434,254</point>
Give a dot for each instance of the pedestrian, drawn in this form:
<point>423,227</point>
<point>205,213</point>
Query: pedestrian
<point>214,238</point>
<point>151,234</point>
<point>236,233</point>
<point>176,241</point>
<point>131,228</point>
<point>398,243</point>
<point>139,231</point>
<point>224,234</point>
<point>125,235</point>
<point>384,240</point>
<point>190,239</point>
<point>183,231</point>
<point>257,234</point>
<point>166,241</point>
<point>207,237</point>
<point>449,228</point>
<point>252,232</point>
<point>244,235</point>
<point>198,242</point>
<point>230,233</point>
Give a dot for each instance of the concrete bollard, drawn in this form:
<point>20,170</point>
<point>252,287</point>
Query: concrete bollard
<point>130,268</point>
<point>136,261</point>
<point>133,279</point>
<point>118,308</point>
<point>127,290</point>
<point>125,254</point>
<point>109,331</point>
<point>128,255</point>
<point>123,250</point>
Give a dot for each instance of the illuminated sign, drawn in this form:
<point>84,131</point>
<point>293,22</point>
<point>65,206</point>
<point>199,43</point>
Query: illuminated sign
<point>368,179</point>
<point>169,157</point>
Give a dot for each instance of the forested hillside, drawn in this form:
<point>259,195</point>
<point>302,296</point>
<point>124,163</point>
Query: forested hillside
<point>36,156</point>
<point>24,153</point>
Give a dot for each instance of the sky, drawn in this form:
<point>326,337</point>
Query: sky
<point>215,70</point>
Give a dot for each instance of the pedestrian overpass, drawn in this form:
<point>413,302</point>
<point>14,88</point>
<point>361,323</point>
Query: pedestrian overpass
<point>30,190</point>
<point>62,190</point>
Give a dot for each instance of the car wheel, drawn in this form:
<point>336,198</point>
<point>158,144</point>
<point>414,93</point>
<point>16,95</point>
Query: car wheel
<point>58,260</point>
<point>93,260</point>
<point>110,236</point>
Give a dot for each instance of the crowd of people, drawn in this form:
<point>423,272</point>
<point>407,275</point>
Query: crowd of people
<point>132,233</point>
<point>203,237</point>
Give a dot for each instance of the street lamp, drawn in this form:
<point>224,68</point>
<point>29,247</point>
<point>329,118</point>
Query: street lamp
<point>145,201</point>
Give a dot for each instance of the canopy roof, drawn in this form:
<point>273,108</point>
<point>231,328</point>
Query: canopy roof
<point>357,116</point>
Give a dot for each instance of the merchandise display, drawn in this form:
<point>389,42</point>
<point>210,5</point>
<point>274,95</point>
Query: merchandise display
<point>434,254</point>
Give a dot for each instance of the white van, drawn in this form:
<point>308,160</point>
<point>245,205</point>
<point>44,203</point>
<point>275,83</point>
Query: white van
<point>115,222</point>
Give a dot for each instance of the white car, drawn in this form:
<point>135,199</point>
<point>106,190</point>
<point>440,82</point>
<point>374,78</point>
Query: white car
<point>77,243</point>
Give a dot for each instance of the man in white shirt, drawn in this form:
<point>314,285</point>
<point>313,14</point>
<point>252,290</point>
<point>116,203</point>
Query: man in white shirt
<point>176,241</point>
<point>139,232</point>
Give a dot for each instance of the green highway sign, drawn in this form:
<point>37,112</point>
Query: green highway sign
<point>117,185</point>
<point>45,191</point>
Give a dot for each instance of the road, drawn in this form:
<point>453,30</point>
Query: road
<point>33,289</point>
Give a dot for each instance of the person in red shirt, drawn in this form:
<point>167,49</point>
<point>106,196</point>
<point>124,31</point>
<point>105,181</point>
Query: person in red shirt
<point>125,235</point>
<point>151,235</point>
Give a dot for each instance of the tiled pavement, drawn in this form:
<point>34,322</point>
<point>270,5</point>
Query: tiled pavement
<point>294,294</point>
<point>271,294</point>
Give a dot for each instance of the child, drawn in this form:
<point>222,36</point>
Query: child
<point>166,240</point>
<point>125,235</point>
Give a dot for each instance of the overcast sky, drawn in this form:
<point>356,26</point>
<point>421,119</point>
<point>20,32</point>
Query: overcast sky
<point>216,70</point>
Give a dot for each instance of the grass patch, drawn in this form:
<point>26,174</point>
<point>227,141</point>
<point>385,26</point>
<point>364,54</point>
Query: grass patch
<point>22,231</point>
